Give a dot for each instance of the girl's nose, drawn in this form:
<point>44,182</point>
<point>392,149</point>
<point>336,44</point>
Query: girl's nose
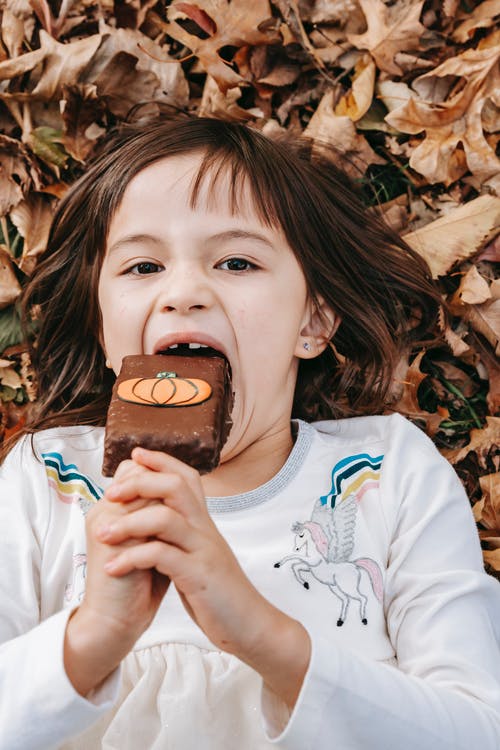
<point>185,291</point>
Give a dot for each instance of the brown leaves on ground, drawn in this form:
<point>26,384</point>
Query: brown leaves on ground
<point>458,235</point>
<point>338,132</point>
<point>222,23</point>
<point>63,95</point>
<point>407,403</point>
<point>405,93</point>
<point>18,173</point>
<point>32,218</point>
<point>453,104</point>
<point>10,288</point>
<point>391,30</point>
<point>483,451</point>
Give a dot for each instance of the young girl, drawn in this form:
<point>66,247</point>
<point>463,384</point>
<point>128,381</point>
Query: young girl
<point>323,587</point>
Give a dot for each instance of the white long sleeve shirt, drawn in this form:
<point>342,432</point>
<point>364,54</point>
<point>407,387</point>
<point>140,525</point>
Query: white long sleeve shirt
<point>365,536</point>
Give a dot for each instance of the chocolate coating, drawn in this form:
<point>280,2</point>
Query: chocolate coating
<point>193,433</point>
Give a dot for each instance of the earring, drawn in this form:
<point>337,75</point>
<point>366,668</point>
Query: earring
<point>307,346</point>
<point>108,364</point>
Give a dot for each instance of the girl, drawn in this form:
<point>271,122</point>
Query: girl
<point>321,588</point>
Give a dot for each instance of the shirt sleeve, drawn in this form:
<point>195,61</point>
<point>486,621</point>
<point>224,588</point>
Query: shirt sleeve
<point>39,707</point>
<point>443,618</point>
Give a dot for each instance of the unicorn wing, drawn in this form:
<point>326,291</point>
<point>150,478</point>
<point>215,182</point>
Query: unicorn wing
<point>341,531</point>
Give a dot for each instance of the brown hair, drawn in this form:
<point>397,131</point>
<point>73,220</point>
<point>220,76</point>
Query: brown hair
<point>379,286</point>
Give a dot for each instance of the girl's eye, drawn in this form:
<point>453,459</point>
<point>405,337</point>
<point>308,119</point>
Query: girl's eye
<point>144,268</point>
<point>236,264</point>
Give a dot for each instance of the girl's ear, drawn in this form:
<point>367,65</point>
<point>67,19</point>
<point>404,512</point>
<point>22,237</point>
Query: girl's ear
<point>320,325</point>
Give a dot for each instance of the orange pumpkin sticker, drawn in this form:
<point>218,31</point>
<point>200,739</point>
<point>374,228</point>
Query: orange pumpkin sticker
<point>166,389</point>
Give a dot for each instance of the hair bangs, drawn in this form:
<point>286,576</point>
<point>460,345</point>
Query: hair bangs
<point>230,179</point>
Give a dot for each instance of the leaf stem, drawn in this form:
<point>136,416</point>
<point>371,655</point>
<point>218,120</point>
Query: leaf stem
<point>5,232</point>
<point>457,392</point>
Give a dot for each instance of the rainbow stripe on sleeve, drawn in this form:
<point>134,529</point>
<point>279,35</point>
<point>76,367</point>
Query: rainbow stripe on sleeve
<point>353,475</point>
<point>69,484</point>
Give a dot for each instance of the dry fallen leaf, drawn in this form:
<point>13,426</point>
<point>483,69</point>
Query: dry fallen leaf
<point>451,101</point>
<point>161,74</point>
<point>10,288</point>
<point>12,418</point>
<point>481,441</point>
<point>458,235</point>
<point>342,12</point>
<point>394,212</point>
<point>457,345</point>
<point>474,288</point>
<point>12,31</point>
<point>407,402</point>
<point>491,251</point>
<point>356,102</point>
<point>391,29</point>
<point>492,557</point>
<point>32,217</point>
<point>82,109</point>
<point>266,67</point>
<point>488,512</point>
<point>290,12</point>
<point>482,17</point>
<point>17,173</point>
<point>227,24</point>
<point>489,362</point>
<point>216,103</point>
<point>485,319</point>
<point>352,149</point>
<point>8,376</point>
<point>62,66</point>
<point>393,93</point>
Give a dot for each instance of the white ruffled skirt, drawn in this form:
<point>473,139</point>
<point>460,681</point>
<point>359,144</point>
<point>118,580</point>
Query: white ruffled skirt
<point>181,697</point>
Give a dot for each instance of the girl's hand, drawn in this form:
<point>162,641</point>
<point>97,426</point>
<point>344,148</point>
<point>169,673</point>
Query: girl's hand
<point>114,611</point>
<point>130,602</point>
<point>177,538</point>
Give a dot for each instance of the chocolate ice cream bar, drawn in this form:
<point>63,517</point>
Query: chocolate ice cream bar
<point>179,404</point>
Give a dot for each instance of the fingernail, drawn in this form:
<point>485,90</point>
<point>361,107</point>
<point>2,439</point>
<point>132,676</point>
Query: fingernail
<point>110,566</point>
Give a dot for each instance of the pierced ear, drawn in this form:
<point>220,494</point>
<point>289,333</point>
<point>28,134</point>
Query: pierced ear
<point>317,331</point>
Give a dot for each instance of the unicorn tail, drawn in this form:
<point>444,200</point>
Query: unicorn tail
<point>374,574</point>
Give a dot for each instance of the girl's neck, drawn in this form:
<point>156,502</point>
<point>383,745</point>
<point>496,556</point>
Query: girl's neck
<point>256,464</point>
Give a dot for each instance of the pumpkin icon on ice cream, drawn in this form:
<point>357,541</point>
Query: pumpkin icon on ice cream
<point>166,389</point>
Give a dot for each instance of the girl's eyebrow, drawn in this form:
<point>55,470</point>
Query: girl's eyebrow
<point>230,234</point>
<point>241,234</point>
<point>134,239</point>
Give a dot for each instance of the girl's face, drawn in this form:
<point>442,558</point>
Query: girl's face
<point>172,274</point>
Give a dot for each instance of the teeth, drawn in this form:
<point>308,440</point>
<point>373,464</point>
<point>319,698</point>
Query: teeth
<point>193,345</point>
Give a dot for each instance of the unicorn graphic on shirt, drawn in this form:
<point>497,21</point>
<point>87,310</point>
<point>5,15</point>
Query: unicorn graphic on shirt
<point>326,541</point>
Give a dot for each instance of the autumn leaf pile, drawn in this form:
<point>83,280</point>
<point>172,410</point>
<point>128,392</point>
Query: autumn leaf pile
<point>408,93</point>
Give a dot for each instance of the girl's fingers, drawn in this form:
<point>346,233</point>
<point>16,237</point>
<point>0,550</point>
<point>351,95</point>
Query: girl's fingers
<point>162,462</point>
<point>126,468</point>
<point>165,558</point>
<point>104,513</point>
<point>169,488</point>
<point>153,520</point>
